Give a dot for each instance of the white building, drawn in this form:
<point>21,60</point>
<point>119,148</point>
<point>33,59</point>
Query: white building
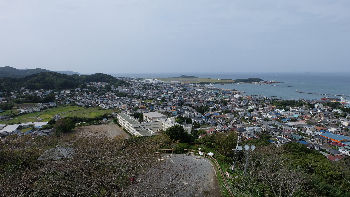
<point>167,123</point>
<point>154,123</point>
<point>133,126</point>
<point>153,116</point>
<point>9,128</point>
<point>345,123</point>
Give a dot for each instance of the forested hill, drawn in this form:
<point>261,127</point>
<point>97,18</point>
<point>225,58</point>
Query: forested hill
<point>56,81</point>
<point>11,72</point>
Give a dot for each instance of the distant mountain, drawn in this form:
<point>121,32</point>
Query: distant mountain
<point>11,72</point>
<point>56,81</point>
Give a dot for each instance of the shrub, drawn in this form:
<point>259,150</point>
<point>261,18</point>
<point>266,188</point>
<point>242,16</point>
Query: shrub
<point>64,125</point>
<point>180,148</point>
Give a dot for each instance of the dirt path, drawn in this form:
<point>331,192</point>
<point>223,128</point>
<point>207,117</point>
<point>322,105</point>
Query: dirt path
<point>105,130</point>
<point>177,175</point>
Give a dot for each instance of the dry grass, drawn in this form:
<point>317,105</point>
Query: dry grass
<point>104,130</point>
<point>100,166</point>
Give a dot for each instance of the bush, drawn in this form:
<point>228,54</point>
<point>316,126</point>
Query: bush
<point>180,148</point>
<point>64,125</point>
<point>223,143</point>
<point>52,122</point>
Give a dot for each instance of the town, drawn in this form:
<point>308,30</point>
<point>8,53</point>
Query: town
<point>145,107</point>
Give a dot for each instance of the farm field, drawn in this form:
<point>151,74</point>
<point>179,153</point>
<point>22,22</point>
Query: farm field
<point>63,111</point>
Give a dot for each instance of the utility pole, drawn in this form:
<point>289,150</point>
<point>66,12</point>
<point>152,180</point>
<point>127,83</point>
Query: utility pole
<point>238,148</point>
<point>247,148</point>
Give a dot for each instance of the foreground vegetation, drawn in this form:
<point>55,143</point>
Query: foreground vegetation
<point>289,170</point>
<point>104,167</point>
<point>99,167</point>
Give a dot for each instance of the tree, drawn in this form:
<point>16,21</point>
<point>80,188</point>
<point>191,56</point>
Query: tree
<point>273,169</point>
<point>196,125</point>
<point>6,106</point>
<point>64,125</point>
<point>178,133</point>
<point>197,132</point>
<point>182,120</point>
<point>138,116</point>
<point>281,180</point>
<point>202,109</point>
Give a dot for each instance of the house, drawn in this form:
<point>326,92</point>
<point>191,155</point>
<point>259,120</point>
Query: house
<point>9,129</point>
<point>334,158</point>
<point>344,151</point>
<point>334,137</point>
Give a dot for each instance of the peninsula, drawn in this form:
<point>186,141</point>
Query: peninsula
<point>201,80</point>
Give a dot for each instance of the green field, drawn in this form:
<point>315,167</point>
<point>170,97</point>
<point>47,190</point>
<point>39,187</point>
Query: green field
<point>196,80</point>
<point>63,111</point>
<point>8,112</point>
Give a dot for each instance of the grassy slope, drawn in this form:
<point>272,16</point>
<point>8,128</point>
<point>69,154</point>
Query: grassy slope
<point>63,111</point>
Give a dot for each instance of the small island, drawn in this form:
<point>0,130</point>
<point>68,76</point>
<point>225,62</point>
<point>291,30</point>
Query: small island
<point>248,80</point>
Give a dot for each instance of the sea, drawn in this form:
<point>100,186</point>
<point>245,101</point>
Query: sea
<point>292,86</point>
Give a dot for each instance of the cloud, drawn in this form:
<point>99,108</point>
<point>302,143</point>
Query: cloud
<point>168,35</point>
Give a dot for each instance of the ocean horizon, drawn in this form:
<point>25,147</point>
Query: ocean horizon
<point>293,86</point>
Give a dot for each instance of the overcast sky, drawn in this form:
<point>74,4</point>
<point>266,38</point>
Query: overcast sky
<point>162,36</point>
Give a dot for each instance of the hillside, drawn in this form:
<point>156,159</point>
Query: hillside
<point>55,81</point>
<point>10,72</point>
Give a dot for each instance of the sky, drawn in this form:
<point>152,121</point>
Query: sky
<point>165,36</point>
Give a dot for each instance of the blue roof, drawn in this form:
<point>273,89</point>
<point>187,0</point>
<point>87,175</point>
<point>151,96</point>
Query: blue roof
<point>302,142</point>
<point>335,136</point>
<point>295,136</point>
